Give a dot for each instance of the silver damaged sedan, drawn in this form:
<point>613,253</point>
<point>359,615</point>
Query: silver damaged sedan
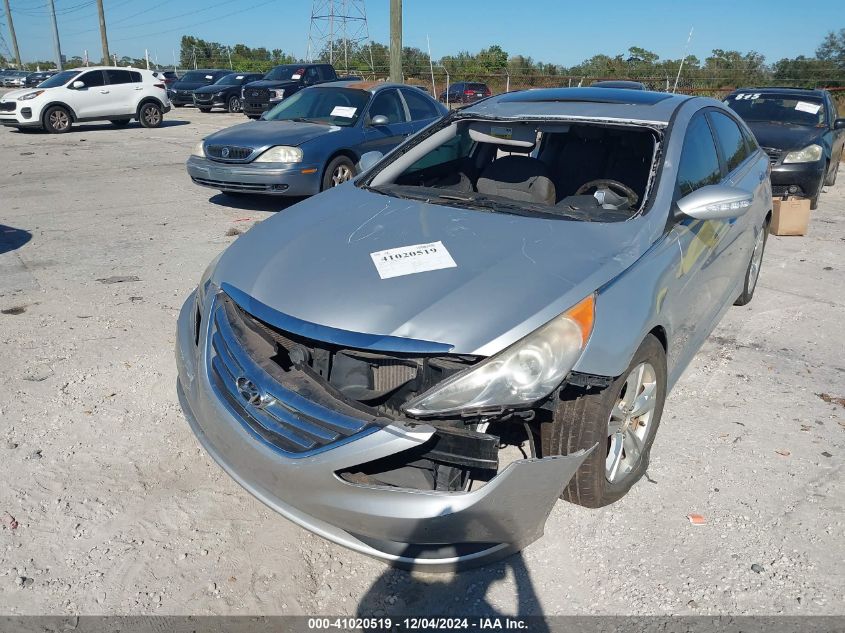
<point>419,363</point>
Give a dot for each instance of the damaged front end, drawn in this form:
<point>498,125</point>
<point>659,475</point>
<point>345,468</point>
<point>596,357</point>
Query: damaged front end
<point>314,423</point>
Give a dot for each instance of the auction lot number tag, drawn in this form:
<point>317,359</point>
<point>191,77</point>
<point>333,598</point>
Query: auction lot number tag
<point>407,260</point>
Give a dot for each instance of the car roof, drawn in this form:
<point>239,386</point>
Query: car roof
<point>784,90</point>
<point>597,103</point>
<point>368,86</point>
<point>619,83</point>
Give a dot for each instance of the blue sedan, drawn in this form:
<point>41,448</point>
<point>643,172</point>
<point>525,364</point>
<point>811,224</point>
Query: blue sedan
<point>312,140</point>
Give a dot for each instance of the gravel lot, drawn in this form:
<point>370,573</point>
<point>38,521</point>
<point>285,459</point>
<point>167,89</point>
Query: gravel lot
<point>117,510</point>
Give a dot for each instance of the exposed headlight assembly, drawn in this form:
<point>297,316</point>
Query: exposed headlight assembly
<point>809,154</point>
<point>198,150</point>
<point>281,154</point>
<point>519,375</point>
<point>279,93</point>
<point>30,95</point>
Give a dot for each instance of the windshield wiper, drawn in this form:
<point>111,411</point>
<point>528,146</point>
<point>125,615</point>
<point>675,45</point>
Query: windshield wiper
<point>303,119</point>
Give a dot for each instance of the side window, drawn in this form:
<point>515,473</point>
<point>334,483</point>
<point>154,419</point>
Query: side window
<point>699,163</point>
<point>118,76</point>
<point>387,103</point>
<point>734,149</point>
<point>93,79</point>
<point>418,105</point>
<point>311,75</point>
<point>326,72</point>
<point>453,150</point>
<point>134,77</point>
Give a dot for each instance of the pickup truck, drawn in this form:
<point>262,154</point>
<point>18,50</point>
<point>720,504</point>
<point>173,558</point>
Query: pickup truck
<point>281,82</point>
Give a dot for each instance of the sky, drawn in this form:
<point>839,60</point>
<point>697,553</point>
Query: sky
<point>560,32</point>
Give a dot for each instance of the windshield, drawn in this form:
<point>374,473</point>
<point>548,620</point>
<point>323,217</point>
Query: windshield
<point>285,73</point>
<point>198,77</point>
<point>330,106</point>
<point>588,172</point>
<point>230,80</point>
<point>786,109</point>
<point>59,79</point>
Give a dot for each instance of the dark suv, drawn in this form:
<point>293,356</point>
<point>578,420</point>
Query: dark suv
<point>182,91</point>
<point>801,132</point>
<point>280,83</point>
<point>465,92</point>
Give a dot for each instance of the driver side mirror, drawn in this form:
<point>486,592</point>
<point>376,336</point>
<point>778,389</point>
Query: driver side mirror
<point>839,124</point>
<point>368,160</point>
<point>77,85</point>
<point>379,119</point>
<point>715,202</point>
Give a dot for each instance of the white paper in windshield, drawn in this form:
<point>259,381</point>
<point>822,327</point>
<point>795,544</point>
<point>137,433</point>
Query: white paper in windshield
<point>239,77</point>
<point>209,77</point>
<point>805,106</point>
<point>347,112</point>
<point>295,76</point>
<point>407,260</point>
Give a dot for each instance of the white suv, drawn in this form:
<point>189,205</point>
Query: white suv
<point>87,94</point>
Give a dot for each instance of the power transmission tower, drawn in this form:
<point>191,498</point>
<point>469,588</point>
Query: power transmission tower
<point>12,33</point>
<point>339,28</point>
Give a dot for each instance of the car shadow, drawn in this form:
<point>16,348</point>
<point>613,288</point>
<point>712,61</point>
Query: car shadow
<point>12,239</point>
<point>254,202</point>
<point>96,127</point>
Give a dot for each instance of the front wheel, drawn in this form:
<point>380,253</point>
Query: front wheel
<point>234,104</point>
<point>621,419</point>
<point>57,120</point>
<point>150,115</point>
<point>338,171</point>
<point>752,273</point>
<point>814,201</point>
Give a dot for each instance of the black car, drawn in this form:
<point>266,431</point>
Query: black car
<point>33,79</point>
<point>801,132</point>
<point>181,92</point>
<point>280,83</point>
<point>619,83</point>
<point>465,92</point>
<point>224,93</point>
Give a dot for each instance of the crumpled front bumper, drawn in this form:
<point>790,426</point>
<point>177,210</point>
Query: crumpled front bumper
<point>437,531</point>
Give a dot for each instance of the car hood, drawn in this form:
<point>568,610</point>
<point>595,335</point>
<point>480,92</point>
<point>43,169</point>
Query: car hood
<point>313,262</point>
<point>785,137</point>
<point>214,88</point>
<point>259,134</point>
<point>14,94</point>
<point>270,83</point>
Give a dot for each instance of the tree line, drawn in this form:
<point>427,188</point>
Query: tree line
<point>719,71</point>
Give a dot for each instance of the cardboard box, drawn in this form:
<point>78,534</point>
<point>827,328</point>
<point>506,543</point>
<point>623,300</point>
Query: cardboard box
<point>790,217</point>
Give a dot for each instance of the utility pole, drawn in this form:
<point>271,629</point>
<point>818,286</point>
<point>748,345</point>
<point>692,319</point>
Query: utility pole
<point>56,43</point>
<point>12,33</point>
<point>395,41</point>
<point>103,37</point>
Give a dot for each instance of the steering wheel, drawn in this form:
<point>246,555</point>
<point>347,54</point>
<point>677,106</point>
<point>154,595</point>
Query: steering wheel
<point>613,185</point>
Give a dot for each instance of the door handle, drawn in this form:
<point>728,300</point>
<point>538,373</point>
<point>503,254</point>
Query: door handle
<point>139,87</point>
<point>104,92</point>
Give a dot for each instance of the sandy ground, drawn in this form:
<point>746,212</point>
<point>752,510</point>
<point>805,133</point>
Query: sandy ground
<point>117,510</point>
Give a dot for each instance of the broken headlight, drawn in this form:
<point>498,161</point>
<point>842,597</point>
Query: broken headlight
<point>519,375</point>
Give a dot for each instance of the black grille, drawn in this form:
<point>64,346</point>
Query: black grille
<point>259,94</point>
<point>7,107</point>
<point>228,153</point>
<point>773,153</point>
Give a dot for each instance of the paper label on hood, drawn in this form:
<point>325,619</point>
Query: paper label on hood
<point>407,260</point>
<point>347,112</point>
<point>806,106</point>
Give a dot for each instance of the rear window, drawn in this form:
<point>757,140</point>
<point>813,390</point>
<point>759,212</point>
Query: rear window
<point>478,87</point>
<point>807,111</point>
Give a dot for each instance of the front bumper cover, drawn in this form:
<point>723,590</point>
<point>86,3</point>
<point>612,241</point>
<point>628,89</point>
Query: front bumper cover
<point>263,178</point>
<point>806,176</point>
<point>437,531</point>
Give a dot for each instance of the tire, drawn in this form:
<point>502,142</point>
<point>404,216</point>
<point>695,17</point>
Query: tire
<point>752,273</point>
<point>149,114</point>
<point>586,418</point>
<point>57,120</point>
<point>120,122</point>
<point>233,104</point>
<point>203,109</point>
<point>338,171</point>
<point>814,201</point>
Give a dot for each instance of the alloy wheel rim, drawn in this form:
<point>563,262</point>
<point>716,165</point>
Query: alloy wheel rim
<point>151,115</point>
<point>235,104</point>
<point>630,422</point>
<point>59,120</point>
<point>341,174</point>
<point>756,261</point>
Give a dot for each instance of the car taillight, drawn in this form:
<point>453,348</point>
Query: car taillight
<point>469,92</point>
